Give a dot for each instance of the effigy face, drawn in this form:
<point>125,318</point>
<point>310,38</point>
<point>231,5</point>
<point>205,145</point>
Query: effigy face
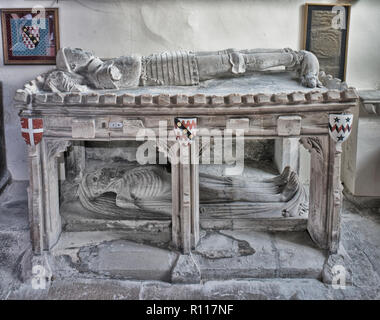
<point>73,60</point>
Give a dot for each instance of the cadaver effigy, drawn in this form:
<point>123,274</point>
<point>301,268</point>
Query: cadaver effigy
<point>145,192</point>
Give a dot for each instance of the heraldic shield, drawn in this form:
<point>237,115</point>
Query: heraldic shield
<point>31,36</point>
<point>185,129</point>
<point>32,130</point>
<point>340,126</point>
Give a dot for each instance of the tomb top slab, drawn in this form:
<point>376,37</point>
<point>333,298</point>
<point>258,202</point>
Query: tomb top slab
<point>264,88</point>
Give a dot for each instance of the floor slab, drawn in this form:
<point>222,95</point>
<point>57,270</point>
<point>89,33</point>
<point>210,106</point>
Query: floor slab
<point>360,238</point>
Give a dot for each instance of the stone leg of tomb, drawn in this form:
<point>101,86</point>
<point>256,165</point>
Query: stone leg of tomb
<point>325,191</point>
<point>43,193</point>
<point>335,196</point>
<point>185,199</point>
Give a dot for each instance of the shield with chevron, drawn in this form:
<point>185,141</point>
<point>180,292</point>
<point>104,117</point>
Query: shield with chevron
<point>185,129</point>
<point>340,126</point>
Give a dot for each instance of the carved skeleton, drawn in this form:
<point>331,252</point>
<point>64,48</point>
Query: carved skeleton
<point>77,68</point>
<point>145,191</point>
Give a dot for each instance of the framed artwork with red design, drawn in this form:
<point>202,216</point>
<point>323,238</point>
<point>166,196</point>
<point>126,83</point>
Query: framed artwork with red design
<point>30,36</point>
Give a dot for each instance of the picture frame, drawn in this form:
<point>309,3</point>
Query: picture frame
<point>30,36</point>
<point>326,30</point>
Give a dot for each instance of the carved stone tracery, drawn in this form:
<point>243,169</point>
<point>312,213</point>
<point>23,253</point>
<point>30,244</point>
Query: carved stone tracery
<point>313,144</point>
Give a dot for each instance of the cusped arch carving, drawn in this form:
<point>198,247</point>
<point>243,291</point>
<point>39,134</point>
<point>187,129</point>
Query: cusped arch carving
<point>313,144</point>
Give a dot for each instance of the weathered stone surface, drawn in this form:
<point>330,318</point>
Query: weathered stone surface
<point>163,99</point>
<point>78,220</point>
<point>92,98</point>
<point>89,289</point>
<point>146,99</point>
<point>186,270</point>
<point>262,98</point>
<point>233,99</point>
<point>360,238</point>
<point>217,100</point>
<point>73,98</point>
<point>128,99</point>
<point>289,125</point>
<point>285,255</point>
<point>314,97</point>
<point>301,259</point>
<point>297,97</point>
<point>41,97</point>
<point>332,95</point>
<point>198,99</point>
<point>215,246</point>
<point>127,259</point>
<point>238,123</point>
<point>57,98</point>
<point>180,99</point>
<point>280,98</point>
<point>109,98</point>
<point>21,96</point>
<point>248,99</point>
<point>83,129</point>
<point>287,153</point>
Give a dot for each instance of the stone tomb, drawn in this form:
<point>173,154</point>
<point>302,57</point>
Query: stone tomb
<point>194,223</point>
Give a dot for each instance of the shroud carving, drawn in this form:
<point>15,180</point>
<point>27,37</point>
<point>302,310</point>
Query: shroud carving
<point>145,192</point>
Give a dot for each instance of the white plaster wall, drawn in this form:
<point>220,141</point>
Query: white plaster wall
<point>116,27</point>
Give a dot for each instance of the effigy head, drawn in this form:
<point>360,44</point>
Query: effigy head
<point>310,80</point>
<point>73,60</point>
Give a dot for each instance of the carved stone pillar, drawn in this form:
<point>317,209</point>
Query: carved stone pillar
<point>35,198</point>
<point>286,153</point>
<point>44,193</point>
<point>325,191</point>
<point>185,198</point>
<point>335,196</point>
<point>76,161</point>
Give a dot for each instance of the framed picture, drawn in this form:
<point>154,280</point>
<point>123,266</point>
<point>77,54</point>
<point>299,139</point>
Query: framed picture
<point>30,36</point>
<point>326,35</point>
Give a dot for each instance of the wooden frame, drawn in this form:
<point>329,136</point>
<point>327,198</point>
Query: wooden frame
<point>308,9</point>
<point>30,58</point>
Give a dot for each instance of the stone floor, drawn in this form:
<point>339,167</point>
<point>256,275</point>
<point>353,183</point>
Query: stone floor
<point>360,239</point>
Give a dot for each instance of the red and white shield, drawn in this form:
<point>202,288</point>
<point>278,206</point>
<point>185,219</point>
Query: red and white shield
<point>340,126</point>
<point>32,130</point>
<point>30,36</point>
<point>185,129</point>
